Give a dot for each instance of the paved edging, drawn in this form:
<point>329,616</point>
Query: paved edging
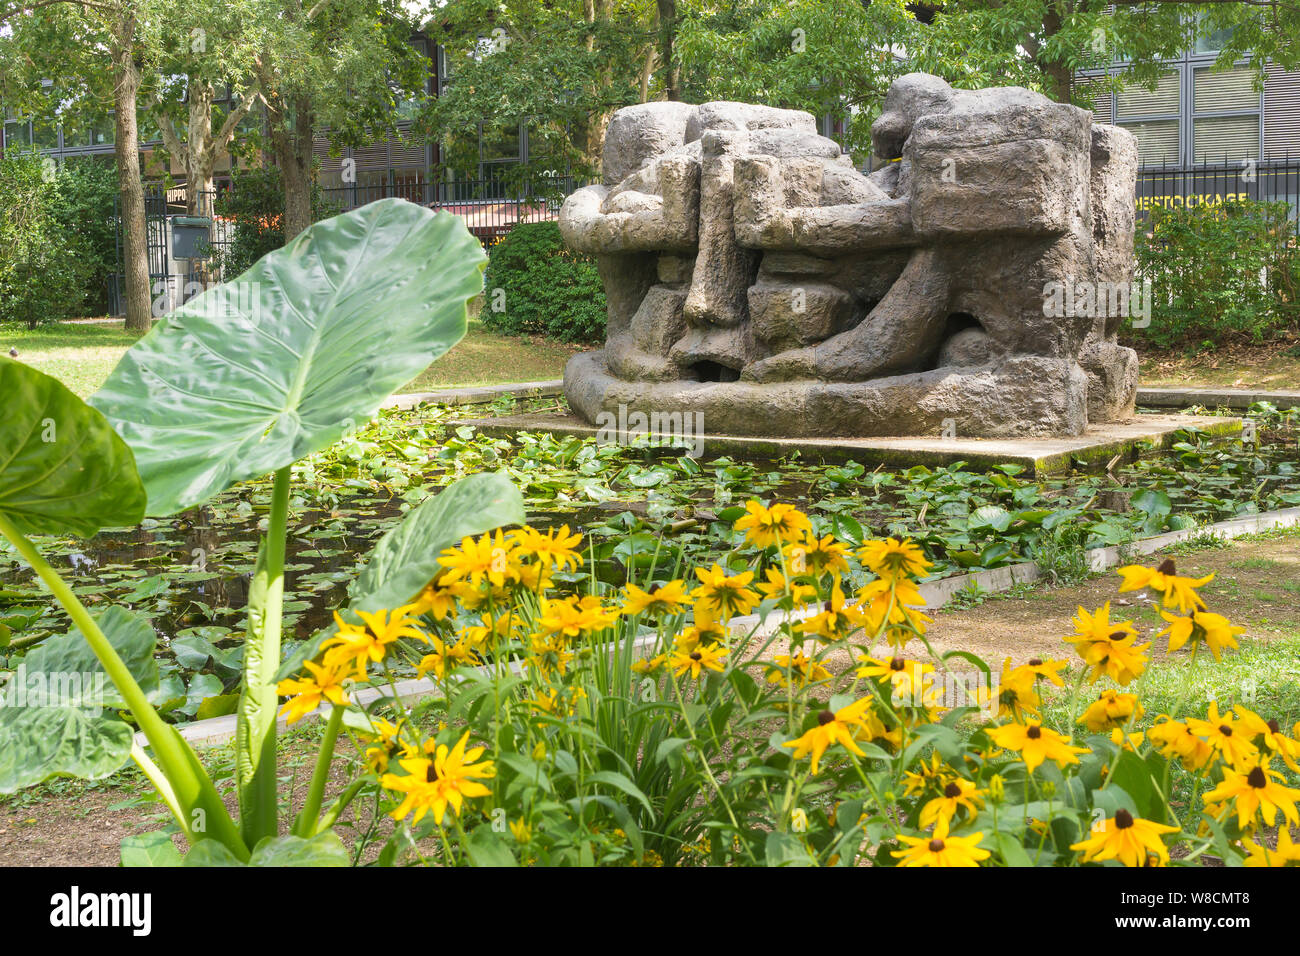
<point>218,730</point>
<point>478,394</point>
<point>1214,398</point>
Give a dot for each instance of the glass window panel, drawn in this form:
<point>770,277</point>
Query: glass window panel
<point>1139,101</point>
<point>1157,141</point>
<point>1225,138</point>
<point>1220,92</point>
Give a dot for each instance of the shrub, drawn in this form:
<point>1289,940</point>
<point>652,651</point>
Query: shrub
<point>43,277</point>
<point>534,285</point>
<point>83,205</point>
<point>1220,273</point>
<point>255,204</point>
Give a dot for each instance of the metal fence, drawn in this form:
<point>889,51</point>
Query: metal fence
<point>490,208</point>
<point>1209,184</point>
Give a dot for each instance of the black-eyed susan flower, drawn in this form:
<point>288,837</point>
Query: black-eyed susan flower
<point>1173,738</point>
<point>1035,743</point>
<point>1108,647</point>
<point>929,774</point>
<point>1126,838</point>
<point>446,780</point>
<point>796,667</point>
<point>699,658</point>
<point>1268,736</point>
<point>1178,592</point>
<point>1017,692</point>
<point>790,592</point>
<point>306,694</point>
<point>835,622</point>
<point>488,558</point>
<point>1215,630</point>
<point>777,525</point>
<point>667,598</point>
<point>892,559</point>
<point>909,681</point>
<point>1287,852</point>
<point>1222,732</point>
<point>436,599</point>
<point>816,556</point>
<point>722,595</point>
<point>1110,709</point>
<point>444,658</point>
<point>1049,671</point>
<point>941,849</point>
<point>833,727</point>
<point>889,609</point>
<point>1256,789</point>
<point>956,794</point>
<point>554,549</point>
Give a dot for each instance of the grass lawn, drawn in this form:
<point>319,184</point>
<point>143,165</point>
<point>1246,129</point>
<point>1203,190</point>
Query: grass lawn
<point>82,355</point>
<point>1245,366</point>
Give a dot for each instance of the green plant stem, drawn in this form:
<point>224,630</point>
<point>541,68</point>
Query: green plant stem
<point>305,825</point>
<point>255,738</point>
<point>204,815</point>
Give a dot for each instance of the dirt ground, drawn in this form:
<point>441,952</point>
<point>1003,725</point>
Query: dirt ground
<point>1256,584</point>
<point>1274,365</point>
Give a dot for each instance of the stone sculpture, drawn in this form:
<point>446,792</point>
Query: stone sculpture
<point>754,275</point>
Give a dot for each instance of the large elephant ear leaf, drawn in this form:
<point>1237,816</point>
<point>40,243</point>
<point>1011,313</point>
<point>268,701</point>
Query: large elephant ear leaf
<point>62,467</point>
<point>304,346</point>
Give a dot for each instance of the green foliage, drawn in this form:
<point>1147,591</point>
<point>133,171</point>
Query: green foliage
<point>1220,273</point>
<point>43,277</point>
<point>537,286</point>
<point>255,204</point>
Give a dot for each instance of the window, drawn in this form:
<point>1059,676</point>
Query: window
<point>1225,116</point>
<point>1153,117</point>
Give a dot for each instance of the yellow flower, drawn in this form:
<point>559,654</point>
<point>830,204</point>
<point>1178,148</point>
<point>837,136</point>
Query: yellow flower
<point>765,527</point>
<point>1179,592</point>
<point>777,588</point>
<point>724,595</point>
<point>940,849</point>
<point>1173,738</point>
<point>435,599</point>
<point>1256,791</point>
<point>1224,734</point>
<point>1270,736</point>
<point>1035,743</point>
<point>1049,671</point>
<point>1111,709</point>
<point>474,561</point>
<point>523,833</point>
<point>665,599</point>
<point>1126,838</point>
<point>956,793</point>
<point>354,644</point>
<point>1017,691</point>
<point>307,693</point>
<point>389,741</point>
<point>445,658</point>
<point>702,657</point>
<point>893,559</point>
<point>935,773</point>
<point>832,727</point>
<point>798,666</point>
<point>1286,854</point>
<point>445,781</point>
<point>648,665</point>
<point>816,556</point>
<point>907,679</point>
<point>889,610</point>
<point>835,622</point>
<point>1108,647</point>
<point>572,616</point>
<point>1215,629</point>
<point>555,548</point>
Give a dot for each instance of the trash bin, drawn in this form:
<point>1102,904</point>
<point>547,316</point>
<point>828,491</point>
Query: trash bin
<point>191,237</point>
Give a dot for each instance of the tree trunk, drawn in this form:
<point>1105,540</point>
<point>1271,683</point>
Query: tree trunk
<point>200,155</point>
<point>135,267</point>
<point>1056,73</point>
<point>667,10</point>
<point>292,139</point>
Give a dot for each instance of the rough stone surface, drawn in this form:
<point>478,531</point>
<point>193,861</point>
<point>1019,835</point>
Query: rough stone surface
<point>754,275</point>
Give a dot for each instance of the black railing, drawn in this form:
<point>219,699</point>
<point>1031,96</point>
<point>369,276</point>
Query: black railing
<point>1207,184</point>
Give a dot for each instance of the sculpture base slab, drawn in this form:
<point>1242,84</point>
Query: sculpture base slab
<point>1139,436</point>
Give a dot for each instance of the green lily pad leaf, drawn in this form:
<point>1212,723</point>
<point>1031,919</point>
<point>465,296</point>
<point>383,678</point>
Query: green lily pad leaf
<point>150,849</point>
<point>406,558</point>
<point>67,670</point>
<point>37,743</point>
<point>62,467</point>
<point>293,354</point>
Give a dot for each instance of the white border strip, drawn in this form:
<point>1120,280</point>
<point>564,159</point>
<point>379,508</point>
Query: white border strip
<point>218,730</point>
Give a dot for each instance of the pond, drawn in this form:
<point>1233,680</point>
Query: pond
<point>638,507</point>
